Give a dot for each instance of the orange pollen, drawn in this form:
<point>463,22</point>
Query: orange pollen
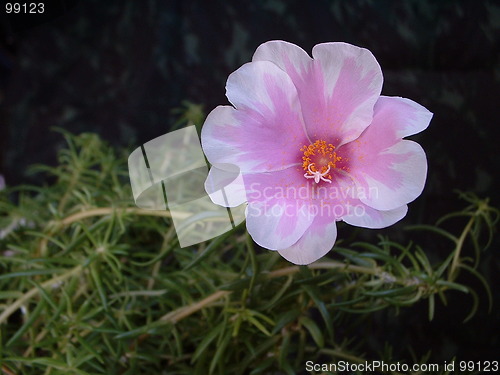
<point>319,160</point>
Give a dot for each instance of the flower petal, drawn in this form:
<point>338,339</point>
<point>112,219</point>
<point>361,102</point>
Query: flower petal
<point>352,82</point>
<point>390,171</point>
<point>315,243</point>
<point>337,89</point>
<point>225,186</point>
<point>361,215</point>
<point>404,116</point>
<point>391,177</point>
<point>276,217</point>
<point>288,57</point>
<point>266,131</point>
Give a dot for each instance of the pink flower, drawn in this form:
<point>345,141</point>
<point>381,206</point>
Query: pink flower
<point>315,143</point>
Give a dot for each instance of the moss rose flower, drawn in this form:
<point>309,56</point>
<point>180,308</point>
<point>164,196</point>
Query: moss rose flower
<point>315,143</point>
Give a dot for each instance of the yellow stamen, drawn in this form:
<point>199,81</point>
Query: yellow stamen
<point>319,159</point>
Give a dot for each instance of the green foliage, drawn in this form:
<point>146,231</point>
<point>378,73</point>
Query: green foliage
<point>91,284</point>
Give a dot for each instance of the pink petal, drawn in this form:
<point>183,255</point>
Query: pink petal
<point>329,204</point>
<point>276,216</point>
<point>314,244</point>
<point>342,200</point>
<point>288,56</point>
<point>404,116</point>
<point>320,237</point>
<point>266,131</point>
<point>337,89</point>
<point>364,216</point>
<point>391,171</point>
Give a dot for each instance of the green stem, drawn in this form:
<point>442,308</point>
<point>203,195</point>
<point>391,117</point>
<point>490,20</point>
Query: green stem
<point>31,293</point>
<point>102,211</point>
<point>185,311</point>
<point>253,260</point>
<point>458,249</point>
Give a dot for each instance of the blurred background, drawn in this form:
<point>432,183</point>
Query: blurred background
<point>120,68</point>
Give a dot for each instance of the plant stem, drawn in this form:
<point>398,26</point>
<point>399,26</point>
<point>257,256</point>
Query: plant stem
<point>31,293</point>
<point>326,265</point>
<point>185,311</point>
<point>103,211</point>
<point>458,249</point>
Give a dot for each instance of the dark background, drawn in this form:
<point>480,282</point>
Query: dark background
<point>119,68</point>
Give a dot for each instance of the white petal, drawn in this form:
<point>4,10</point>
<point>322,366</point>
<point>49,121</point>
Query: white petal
<point>314,244</point>
<point>266,131</point>
<point>225,186</point>
<point>364,216</point>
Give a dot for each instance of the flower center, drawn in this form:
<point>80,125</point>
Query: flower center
<point>318,161</point>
